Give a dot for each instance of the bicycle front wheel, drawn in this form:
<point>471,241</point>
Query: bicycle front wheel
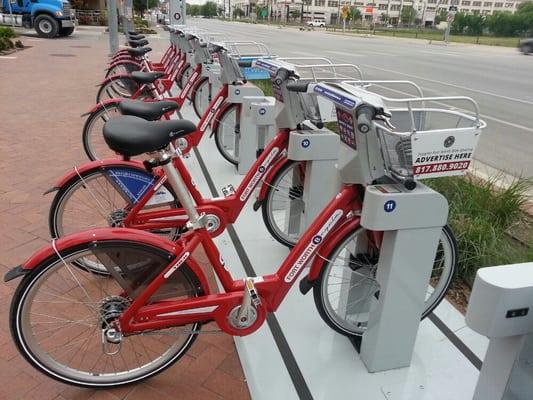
<point>200,97</point>
<point>347,291</point>
<point>226,133</point>
<point>61,316</point>
<point>283,207</point>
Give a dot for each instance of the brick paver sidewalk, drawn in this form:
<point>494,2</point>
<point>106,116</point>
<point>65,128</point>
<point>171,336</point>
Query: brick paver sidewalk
<point>43,91</point>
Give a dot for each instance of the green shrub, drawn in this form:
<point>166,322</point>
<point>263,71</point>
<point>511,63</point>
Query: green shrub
<point>481,216</point>
<point>85,20</point>
<point>19,45</point>
<point>7,32</point>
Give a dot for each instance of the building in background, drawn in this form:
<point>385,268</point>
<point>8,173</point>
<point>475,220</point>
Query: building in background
<point>372,11</point>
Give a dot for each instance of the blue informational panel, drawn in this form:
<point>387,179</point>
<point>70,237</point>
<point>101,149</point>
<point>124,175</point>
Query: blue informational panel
<point>252,73</point>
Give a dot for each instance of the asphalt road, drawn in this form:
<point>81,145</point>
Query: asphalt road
<point>499,79</point>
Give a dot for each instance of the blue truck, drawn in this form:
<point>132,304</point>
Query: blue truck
<point>49,18</point>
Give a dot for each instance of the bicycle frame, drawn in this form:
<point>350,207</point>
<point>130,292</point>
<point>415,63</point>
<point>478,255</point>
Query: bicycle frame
<point>271,289</point>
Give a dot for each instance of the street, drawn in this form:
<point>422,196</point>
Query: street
<point>499,79</point>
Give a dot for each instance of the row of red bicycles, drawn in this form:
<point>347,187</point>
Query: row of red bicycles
<point>119,295</point>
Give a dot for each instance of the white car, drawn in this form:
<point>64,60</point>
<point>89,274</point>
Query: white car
<point>320,24</point>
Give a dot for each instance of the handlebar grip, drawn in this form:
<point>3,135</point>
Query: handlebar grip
<point>365,114</point>
<point>282,75</point>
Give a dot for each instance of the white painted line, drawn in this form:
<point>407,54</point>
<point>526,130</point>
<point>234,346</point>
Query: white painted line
<point>452,85</point>
<point>8,57</point>
<point>438,53</point>
<point>382,54</point>
<point>344,53</point>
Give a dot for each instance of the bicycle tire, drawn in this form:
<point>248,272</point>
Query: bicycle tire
<point>123,87</point>
<point>51,363</point>
<point>220,133</point>
<point>198,95</point>
<point>81,182</point>
<point>271,205</point>
<point>357,327</point>
<point>92,137</point>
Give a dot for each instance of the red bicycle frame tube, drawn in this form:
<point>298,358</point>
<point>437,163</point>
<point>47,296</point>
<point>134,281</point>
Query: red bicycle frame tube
<point>227,209</point>
<point>272,289</point>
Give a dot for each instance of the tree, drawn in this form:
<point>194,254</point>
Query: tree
<point>384,18</point>
<point>295,14</point>
<point>209,9</point>
<point>140,5</point>
<point>475,24</point>
<point>193,9</point>
<point>442,16</point>
<point>525,8</point>
<point>238,12</point>
<point>355,14</point>
<point>408,15</point>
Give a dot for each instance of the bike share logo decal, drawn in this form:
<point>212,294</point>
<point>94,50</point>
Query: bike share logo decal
<point>317,239</point>
<point>313,244</point>
<point>259,174</point>
<point>262,111</point>
<point>450,140</point>
<point>211,114</point>
<point>389,206</point>
<point>306,143</point>
<point>177,265</point>
<point>133,184</point>
<point>237,92</point>
<point>190,81</point>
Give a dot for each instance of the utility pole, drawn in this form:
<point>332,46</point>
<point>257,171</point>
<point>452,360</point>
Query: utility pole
<point>127,20</point>
<point>112,23</point>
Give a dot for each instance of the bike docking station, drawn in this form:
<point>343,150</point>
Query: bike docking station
<point>257,112</point>
<point>312,143</point>
<point>296,352</point>
<point>500,308</point>
<point>409,214</point>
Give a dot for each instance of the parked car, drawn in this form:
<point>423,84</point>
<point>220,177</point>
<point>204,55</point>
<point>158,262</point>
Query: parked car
<point>316,23</point>
<point>526,46</point>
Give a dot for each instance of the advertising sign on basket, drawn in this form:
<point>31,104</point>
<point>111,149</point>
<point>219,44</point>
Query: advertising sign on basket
<point>445,153</point>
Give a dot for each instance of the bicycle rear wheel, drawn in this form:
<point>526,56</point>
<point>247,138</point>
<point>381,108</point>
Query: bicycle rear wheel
<point>347,291</point>
<point>93,140</point>
<point>61,316</point>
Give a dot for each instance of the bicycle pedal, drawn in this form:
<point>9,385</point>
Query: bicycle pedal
<point>228,190</point>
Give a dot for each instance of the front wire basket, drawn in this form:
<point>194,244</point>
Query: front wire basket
<point>425,142</point>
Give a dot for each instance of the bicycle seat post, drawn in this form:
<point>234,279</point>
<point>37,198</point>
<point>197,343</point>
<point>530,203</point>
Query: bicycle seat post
<point>183,195</point>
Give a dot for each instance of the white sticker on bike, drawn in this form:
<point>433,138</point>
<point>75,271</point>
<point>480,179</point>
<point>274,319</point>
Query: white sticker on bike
<point>177,265</point>
<point>313,244</point>
<point>259,174</point>
<point>211,114</point>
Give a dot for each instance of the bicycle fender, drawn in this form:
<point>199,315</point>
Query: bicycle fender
<point>101,104</point>
<point>101,234</point>
<point>268,178</point>
<point>123,60</point>
<point>332,240</point>
<point>98,164</point>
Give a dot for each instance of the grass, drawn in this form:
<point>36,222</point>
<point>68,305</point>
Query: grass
<point>265,85</point>
<point>482,217</point>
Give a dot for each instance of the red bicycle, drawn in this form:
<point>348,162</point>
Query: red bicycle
<point>105,330</point>
<point>214,112</point>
